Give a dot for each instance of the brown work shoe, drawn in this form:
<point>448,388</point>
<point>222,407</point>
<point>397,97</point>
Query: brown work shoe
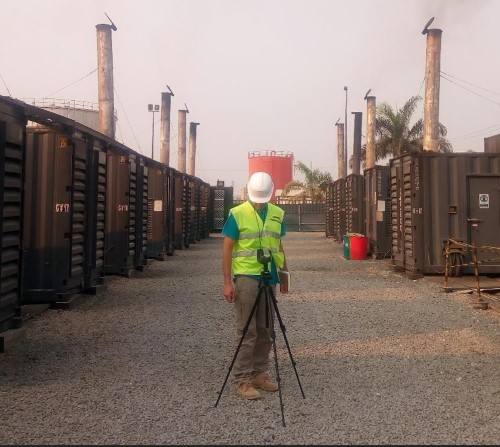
<point>247,391</point>
<point>264,383</point>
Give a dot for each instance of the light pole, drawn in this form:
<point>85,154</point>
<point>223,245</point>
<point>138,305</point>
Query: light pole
<point>153,108</point>
<point>345,133</point>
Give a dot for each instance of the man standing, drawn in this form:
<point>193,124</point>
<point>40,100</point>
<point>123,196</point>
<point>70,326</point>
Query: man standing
<point>255,224</point>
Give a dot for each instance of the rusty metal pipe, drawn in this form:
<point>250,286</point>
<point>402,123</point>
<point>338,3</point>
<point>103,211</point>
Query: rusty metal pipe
<point>432,82</point>
<point>166,100</point>
<point>371,106</point>
<point>105,80</point>
<point>192,149</point>
<point>356,145</point>
<point>340,150</point>
<point>181,139</point>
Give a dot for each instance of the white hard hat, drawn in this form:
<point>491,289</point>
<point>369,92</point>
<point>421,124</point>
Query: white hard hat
<point>260,187</point>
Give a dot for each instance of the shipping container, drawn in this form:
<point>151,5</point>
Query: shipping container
<point>221,203</point>
<point>355,204</point>
<point>492,144</point>
<point>64,194</point>
<point>377,181</point>
<point>191,208</point>
<point>170,174</point>
<point>204,207</point>
<point>339,209</point>
<point>435,197</point>
<point>126,213</point>
<point>157,235</point>
<point>179,213</point>
<point>12,143</point>
<point>329,211</point>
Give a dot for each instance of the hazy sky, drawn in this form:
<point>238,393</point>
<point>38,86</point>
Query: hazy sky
<point>259,74</point>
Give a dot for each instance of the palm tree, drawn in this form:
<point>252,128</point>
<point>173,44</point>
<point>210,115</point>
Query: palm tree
<point>313,188</point>
<point>394,136</point>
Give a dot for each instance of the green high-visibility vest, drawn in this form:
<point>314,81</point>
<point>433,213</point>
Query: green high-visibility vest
<point>256,234</point>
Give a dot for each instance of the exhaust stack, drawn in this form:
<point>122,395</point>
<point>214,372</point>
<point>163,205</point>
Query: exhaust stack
<point>192,148</point>
<point>105,79</point>
<point>181,156</point>
<point>166,100</point>
<point>432,80</point>
<point>340,150</point>
<point>371,113</point>
<point>356,146</point>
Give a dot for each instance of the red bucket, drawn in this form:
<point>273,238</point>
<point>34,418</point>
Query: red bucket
<point>358,247</point>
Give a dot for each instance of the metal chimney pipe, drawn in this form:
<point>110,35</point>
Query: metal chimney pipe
<point>432,79</point>
<point>105,80</point>
<point>371,114</point>
<point>340,150</point>
<point>181,156</point>
<point>166,99</point>
<point>192,148</point>
<point>356,144</point>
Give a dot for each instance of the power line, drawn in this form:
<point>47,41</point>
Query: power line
<point>128,121</point>
<point>468,89</point>
<point>5,85</point>
<point>476,133</point>
<point>69,85</point>
<point>470,83</point>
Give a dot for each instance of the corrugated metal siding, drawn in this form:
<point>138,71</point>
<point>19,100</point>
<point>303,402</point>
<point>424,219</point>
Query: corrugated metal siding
<point>378,210</point>
<point>355,204</point>
<point>12,140</point>
<point>329,211</point>
<point>430,203</point>
<point>339,207</point>
<point>157,212</point>
<point>492,144</point>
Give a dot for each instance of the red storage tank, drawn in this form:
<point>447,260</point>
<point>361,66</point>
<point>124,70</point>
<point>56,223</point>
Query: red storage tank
<point>278,164</point>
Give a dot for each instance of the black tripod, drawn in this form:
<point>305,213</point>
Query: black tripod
<point>270,303</point>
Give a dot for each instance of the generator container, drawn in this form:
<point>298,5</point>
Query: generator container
<point>127,212</point>
<point>12,143</point>
<point>170,174</point>
<point>377,181</point>
<point>179,230</point>
<point>329,211</point>
<point>355,204</point>
<point>437,197</point>
<point>221,199</point>
<point>64,211</point>
<point>157,222</point>
<point>204,207</point>
<point>339,209</point>
<point>191,208</point>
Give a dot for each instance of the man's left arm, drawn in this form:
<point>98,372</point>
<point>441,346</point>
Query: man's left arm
<point>283,233</point>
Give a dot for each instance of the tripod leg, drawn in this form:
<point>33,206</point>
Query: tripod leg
<point>269,308</point>
<point>245,329</point>
<point>283,330</point>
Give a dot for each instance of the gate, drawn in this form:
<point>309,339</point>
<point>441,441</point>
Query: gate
<point>304,216</point>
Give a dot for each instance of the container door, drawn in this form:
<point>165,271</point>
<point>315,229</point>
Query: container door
<point>484,215</point>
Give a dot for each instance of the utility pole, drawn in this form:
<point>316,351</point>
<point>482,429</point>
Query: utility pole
<point>345,133</point>
<point>153,108</point>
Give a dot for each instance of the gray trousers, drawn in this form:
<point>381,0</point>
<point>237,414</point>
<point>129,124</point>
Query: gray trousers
<point>252,360</point>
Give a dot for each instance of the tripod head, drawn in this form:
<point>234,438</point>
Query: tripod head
<point>264,260</point>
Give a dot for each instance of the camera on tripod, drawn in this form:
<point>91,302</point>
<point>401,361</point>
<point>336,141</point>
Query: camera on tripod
<point>262,258</point>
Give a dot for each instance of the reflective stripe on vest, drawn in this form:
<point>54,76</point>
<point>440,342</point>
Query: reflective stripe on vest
<point>255,234</point>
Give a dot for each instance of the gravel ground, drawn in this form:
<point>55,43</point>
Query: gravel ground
<point>382,359</point>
